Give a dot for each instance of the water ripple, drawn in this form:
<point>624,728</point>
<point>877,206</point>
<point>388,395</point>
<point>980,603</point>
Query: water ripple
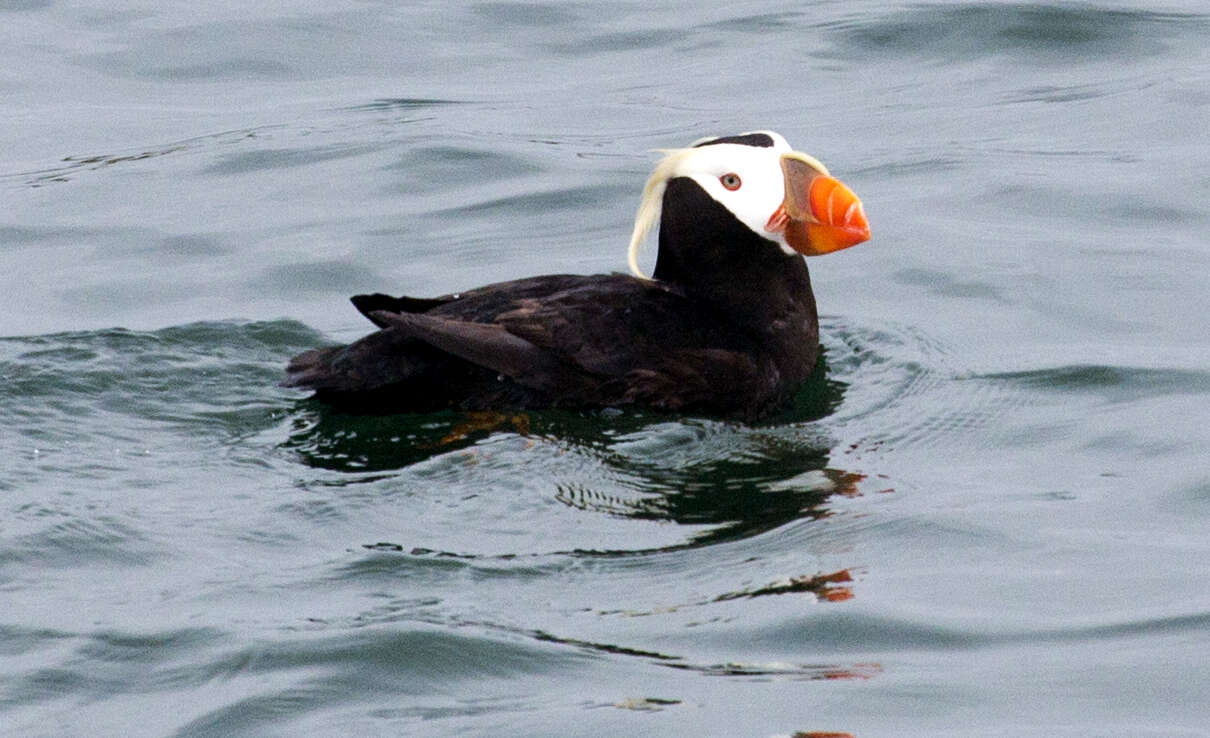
<point>330,671</point>
<point>76,164</point>
<point>1044,34</point>
<point>895,375</point>
<point>1116,384</point>
<point>256,160</point>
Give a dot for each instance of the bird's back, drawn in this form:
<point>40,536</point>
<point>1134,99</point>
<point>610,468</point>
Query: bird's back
<point>556,340</point>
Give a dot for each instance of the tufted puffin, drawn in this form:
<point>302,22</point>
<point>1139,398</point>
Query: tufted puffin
<point>726,325</point>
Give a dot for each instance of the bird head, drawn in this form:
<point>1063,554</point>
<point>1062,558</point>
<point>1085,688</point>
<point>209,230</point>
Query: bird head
<point>781,195</point>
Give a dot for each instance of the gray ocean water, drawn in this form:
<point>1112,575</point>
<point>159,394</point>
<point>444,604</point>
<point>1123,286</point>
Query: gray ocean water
<point>987,516</point>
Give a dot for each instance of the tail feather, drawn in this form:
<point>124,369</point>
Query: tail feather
<point>381,359</point>
<point>367,305</point>
<point>311,369</point>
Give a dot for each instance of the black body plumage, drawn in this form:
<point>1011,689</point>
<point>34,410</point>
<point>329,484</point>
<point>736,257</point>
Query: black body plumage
<point>727,327</point>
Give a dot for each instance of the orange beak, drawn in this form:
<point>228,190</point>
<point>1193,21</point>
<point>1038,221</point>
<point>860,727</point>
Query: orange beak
<point>819,214</point>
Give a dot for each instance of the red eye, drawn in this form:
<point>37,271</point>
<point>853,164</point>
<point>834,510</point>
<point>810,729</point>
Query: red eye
<point>730,181</point>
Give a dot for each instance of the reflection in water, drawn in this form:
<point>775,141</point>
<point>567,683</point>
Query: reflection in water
<point>736,499</point>
<point>326,439</point>
<point>719,481</point>
<point>733,480</point>
<point>799,671</point>
<point>833,587</point>
<point>827,587</point>
<point>778,669</point>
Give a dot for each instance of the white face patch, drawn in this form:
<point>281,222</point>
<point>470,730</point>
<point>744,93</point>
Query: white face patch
<point>760,192</point>
<point>761,187</point>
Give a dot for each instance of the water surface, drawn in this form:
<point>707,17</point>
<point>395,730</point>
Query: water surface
<point>986,515</point>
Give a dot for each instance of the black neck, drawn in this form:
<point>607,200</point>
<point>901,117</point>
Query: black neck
<point>706,251</point>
